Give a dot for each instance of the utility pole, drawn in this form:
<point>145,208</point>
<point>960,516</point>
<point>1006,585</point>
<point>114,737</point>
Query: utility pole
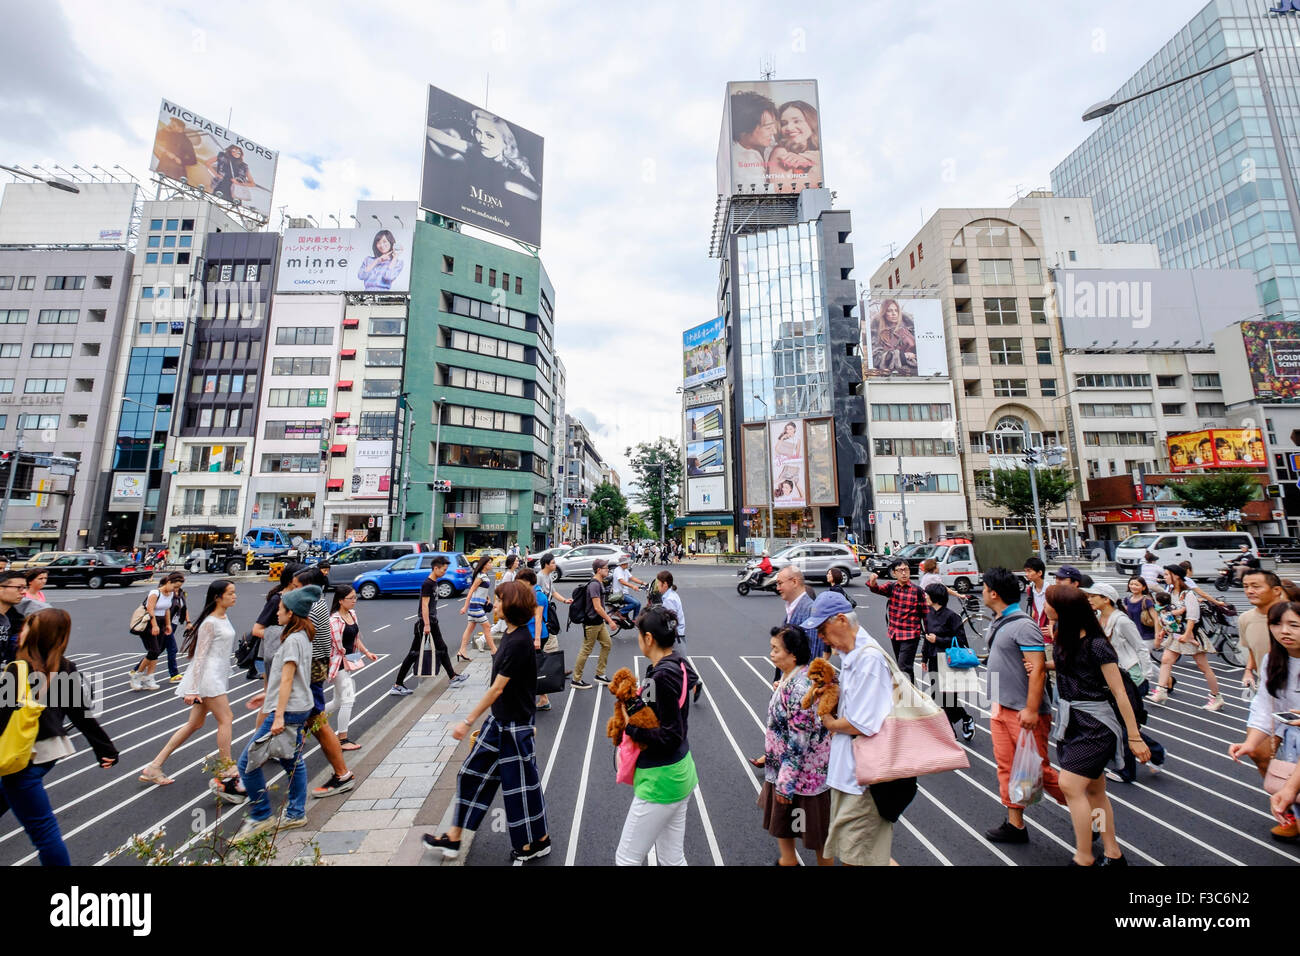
<point>437,451</point>
<point>9,482</point>
<point>1031,460</point>
<point>406,472</point>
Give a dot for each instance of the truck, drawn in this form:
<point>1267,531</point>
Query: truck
<point>261,546</point>
<point>959,559</point>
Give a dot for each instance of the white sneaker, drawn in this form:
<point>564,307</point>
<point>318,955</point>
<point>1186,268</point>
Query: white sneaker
<point>135,679</point>
<point>1215,703</point>
<point>148,683</point>
<point>252,828</point>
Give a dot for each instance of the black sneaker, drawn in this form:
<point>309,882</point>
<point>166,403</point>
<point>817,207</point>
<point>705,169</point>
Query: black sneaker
<point>601,678</point>
<point>536,850</point>
<point>968,728</point>
<point>335,785</point>
<point>580,684</point>
<point>695,695</point>
<point>227,790</point>
<point>1107,861</point>
<point>450,848</point>
<point>1004,832</point>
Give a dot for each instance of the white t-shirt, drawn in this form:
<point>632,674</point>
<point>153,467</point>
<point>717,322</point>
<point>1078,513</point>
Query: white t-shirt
<point>1264,705</point>
<point>164,602</point>
<point>619,576</point>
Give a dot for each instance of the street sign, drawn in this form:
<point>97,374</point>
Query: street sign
<point>871,518</point>
<point>749,511</point>
<point>1273,491</point>
<point>1293,459</point>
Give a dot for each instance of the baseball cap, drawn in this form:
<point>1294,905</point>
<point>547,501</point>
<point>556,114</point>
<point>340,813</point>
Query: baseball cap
<point>827,605</point>
<point>1069,572</point>
<point>1102,589</point>
<point>598,564</point>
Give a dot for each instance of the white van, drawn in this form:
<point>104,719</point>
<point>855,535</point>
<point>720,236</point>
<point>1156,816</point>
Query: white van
<point>1207,550</point>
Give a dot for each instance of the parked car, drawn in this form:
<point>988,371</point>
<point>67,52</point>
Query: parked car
<point>576,564</point>
<point>816,558</point>
<point>406,574</point>
<point>38,560</point>
<point>1207,550</point>
<point>94,569</point>
<point>358,559</point>
<point>498,556</point>
<point>865,554</point>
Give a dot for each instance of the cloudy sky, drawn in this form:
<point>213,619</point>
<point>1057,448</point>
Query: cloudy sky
<point>924,104</point>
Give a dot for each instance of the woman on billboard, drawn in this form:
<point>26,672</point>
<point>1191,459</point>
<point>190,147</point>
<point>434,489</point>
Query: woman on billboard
<point>798,145</point>
<point>497,144</point>
<point>893,340</point>
<point>380,270</point>
<point>231,179</point>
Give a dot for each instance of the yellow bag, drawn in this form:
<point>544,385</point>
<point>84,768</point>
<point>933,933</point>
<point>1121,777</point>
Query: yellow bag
<point>19,735</point>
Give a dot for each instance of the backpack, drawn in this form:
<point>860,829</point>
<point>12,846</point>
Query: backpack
<point>579,609</point>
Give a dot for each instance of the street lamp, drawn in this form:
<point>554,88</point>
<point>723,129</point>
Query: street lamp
<point>767,474</point>
<point>1106,107</point>
<point>51,181</point>
<point>148,461</point>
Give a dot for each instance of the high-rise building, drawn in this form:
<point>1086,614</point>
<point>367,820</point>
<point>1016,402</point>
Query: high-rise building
<point>582,474</point>
<point>1195,169</point>
<point>480,381</point>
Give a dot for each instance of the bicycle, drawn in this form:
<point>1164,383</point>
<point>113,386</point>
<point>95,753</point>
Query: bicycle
<point>1220,632</point>
<point>977,618</point>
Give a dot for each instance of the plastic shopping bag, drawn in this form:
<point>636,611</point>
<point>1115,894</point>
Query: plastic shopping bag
<point>1026,785</point>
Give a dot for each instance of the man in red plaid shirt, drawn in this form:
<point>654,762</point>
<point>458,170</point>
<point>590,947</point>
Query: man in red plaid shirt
<point>903,614</point>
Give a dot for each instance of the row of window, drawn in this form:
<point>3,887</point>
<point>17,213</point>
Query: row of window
<point>1139,380</point>
<point>225,383</point>
<point>482,418</point>
<point>185,225</point>
<point>320,365</point>
<point>1097,439</point>
<point>170,242</point>
<point>488,311</point>
<point>206,458</point>
<point>1143,409</point>
<point>373,426</point>
<point>44,317</point>
<point>215,417</point>
<point>241,350</point>
<point>310,335</point>
<point>492,277</point>
<point>167,258</point>
<point>483,381</point>
<point>1004,351</point>
<point>912,412</point>
<point>46,350</point>
<point>227,501</point>
<point>483,345</point>
<point>294,463</point>
<point>932,483</point>
<point>914,446</point>
<point>505,459</point>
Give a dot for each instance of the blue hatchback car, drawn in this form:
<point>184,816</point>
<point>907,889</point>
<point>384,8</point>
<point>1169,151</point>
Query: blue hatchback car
<point>406,574</point>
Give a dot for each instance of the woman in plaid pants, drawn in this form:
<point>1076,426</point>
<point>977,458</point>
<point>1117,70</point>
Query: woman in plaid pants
<point>504,756</point>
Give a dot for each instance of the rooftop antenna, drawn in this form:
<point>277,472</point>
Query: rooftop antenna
<point>767,69</point>
<point>1016,191</point>
<point>890,246</point>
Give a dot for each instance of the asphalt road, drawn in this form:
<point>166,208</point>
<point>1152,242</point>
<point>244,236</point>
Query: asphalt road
<point>1202,810</point>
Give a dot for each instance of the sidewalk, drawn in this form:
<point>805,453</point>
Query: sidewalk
<point>406,780</point>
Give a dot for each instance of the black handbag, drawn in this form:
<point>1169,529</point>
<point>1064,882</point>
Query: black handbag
<point>550,672</point>
<point>552,618</point>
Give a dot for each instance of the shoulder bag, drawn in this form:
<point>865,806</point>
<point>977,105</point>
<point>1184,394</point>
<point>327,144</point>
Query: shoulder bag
<point>959,656</point>
<point>140,619</point>
<point>915,738</point>
<point>1148,615</point>
<point>19,735</point>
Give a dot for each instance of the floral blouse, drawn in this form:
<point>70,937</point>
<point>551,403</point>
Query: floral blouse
<point>798,746</point>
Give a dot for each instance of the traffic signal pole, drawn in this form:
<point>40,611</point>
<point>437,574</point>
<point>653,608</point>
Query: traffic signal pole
<point>9,482</point>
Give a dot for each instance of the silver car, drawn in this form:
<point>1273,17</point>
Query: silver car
<point>815,558</point>
<point>576,564</point>
<point>357,559</point>
<point>559,551</point>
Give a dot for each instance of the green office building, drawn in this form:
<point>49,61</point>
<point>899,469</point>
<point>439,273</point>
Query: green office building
<point>480,383</point>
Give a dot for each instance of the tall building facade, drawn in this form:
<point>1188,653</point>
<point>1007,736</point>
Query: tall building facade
<point>582,473</point>
<point>480,383</point>
<point>1195,168</point>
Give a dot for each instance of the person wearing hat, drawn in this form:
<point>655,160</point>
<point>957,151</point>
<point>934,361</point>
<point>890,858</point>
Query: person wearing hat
<point>1134,662</point>
<point>625,584</point>
<point>288,702</point>
<point>595,628</point>
<point>858,833</point>
<point>1069,575</point>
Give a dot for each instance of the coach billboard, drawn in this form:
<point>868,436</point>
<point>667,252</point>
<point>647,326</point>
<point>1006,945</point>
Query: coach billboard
<point>902,337</point>
<point>192,149</point>
<point>480,169</point>
<point>771,138</point>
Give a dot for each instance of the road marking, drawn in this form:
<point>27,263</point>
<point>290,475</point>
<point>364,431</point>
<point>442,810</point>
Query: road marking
<point>572,850</point>
<point>1289,857</point>
<point>378,629</point>
<point>979,839</point>
<point>1215,793</point>
<point>943,860</point>
<point>708,827</point>
<point>559,735</point>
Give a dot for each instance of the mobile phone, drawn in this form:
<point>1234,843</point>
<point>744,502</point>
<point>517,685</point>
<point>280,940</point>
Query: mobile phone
<point>1286,715</point>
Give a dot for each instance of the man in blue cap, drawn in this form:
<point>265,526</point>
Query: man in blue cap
<point>858,834</point>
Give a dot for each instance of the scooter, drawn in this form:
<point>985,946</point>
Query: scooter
<point>753,579</point>
<point>1230,575</point>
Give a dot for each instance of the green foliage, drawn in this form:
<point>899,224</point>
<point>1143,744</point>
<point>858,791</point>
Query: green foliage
<point>637,529</point>
<point>645,459</point>
<point>1011,491</point>
<point>606,509</point>
<point>1217,495</point>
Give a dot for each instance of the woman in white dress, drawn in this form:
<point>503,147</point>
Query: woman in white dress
<point>209,642</point>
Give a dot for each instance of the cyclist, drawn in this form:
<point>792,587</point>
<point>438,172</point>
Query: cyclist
<point>624,585</point>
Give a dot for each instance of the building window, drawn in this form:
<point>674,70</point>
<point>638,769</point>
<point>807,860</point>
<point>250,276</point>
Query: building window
<point>483,381</point>
<point>381,388</point>
<point>291,463</point>
<point>1000,312</point>
<point>1173,408</point>
<point>971,388</point>
<point>67,283</point>
<point>1097,439</point>
<point>1033,271</point>
<point>294,430</point>
<point>1168,381</point>
<point>217,458</point>
<point>1211,409</point>
<point>1073,257</point>
<point>39,386</point>
<point>478,274</point>
<point>996,271</point>
<point>304,336</point>
<point>186,224</point>
<point>84,385</point>
<point>26,282</point>
<point>933,484</point>
<point>1043,349</point>
<point>1112,381</point>
<point>1048,386</point>
<point>388,326</point>
<point>483,345</point>
<point>13,316</point>
<point>474,456</point>
<point>377,426</point>
<point>298,397</point>
<point>37,422</point>
<point>505,281</point>
<point>301,366</point>
<point>384,358</point>
<point>14,350</point>
<point>490,312</point>
<point>519,285</point>
<point>448,265</point>
<point>492,277</point>
<point>1205,380</point>
<point>58,316</point>
<point>285,507</point>
<point>1114,410</point>
<point>6,386</point>
<point>914,446</point>
<point>482,418</point>
<point>1010,387</point>
<point>1006,352</point>
<point>89,348</point>
<point>912,412</point>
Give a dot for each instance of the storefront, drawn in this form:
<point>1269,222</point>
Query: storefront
<point>709,534</point>
<point>185,538</point>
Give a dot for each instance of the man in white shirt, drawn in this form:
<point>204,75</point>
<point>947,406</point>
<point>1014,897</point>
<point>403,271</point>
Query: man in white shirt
<point>858,834</point>
<point>1034,601</point>
<point>625,584</point>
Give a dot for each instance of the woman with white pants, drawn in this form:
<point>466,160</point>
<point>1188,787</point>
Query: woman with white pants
<point>665,771</point>
<point>345,657</point>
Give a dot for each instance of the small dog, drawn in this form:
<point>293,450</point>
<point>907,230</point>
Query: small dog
<point>628,707</point>
<point>825,687</point>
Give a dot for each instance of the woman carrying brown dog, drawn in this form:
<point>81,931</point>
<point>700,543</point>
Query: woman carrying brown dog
<point>798,751</point>
<point>665,770</point>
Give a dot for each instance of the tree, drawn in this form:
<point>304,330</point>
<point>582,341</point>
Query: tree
<point>606,509</point>
<point>645,459</point>
<point>1011,491</point>
<point>1216,496</point>
<point>637,529</point>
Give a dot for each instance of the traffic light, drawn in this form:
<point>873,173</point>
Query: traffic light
<point>582,502</point>
<point>441,485</point>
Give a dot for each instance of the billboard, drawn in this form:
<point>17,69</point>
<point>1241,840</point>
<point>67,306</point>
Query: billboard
<point>129,486</point>
<point>192,149</point>
<point>705,353</point>
<point>754,439</point>
<point>370,483</point>
<point>35,214</point>
<point>1217,448</point>
<point>346,260</point>
<point>902,337</point>
<point>373,454</point>
<point>789,481</point>
<point>1273,357</point>
<point>703,421</point>
<point>771,138</point>
<point>706,494</point>
<point>822,482</point>
<point>480,169</point>
<point>705,458</point>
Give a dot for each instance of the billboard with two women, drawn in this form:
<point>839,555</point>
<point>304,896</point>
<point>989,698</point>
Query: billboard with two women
<point>480,169</point>
<point>192,149</point>
<point>771,138</point>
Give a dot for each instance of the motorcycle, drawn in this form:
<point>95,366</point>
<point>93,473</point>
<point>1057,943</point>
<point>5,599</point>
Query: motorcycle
<point>752,578</point>
<point>1230,575</point>
<point>615,607</point>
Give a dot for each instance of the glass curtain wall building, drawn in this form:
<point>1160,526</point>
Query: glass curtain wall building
<point>1194,169</point>
<point>782,323</point>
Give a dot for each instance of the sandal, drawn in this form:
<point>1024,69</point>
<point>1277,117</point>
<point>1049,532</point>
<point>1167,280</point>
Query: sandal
<point>462,657</point>
<point>348,745</point>
<point>759,762</point>
<point>153,774</point>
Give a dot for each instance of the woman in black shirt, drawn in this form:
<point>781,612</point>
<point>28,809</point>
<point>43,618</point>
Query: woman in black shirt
<point>943,628</point>
<point>504,754</point>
